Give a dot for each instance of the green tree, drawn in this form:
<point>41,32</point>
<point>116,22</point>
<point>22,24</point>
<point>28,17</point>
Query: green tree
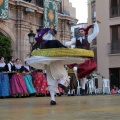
<point>5,46</point>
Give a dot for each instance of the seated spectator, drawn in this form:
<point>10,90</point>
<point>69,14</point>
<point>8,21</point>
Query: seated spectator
<point>113,90</point>
<point>118,91</point>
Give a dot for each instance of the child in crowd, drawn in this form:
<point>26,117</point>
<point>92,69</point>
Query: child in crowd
<point>113,90</point>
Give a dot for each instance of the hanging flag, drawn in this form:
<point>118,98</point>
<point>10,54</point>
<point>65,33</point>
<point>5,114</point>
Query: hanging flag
<point>50,13</point>
<point>4,9</point>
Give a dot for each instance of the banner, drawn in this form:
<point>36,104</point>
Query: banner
<point>4,9</point>
<point>50,13</point>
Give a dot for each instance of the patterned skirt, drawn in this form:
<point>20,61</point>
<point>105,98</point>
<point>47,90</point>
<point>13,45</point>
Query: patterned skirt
<point>40,83</point>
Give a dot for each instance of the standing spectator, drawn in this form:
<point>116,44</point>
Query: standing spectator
<point>113,90</point>
<point>11,66</point>
<point>4,79</point>
<point>18,87</point>
<point>28,78</point>
<point>40,83</point>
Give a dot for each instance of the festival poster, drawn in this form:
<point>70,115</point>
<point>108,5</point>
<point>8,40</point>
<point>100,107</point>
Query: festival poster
<point>50,13</point>
<point>3,9</point>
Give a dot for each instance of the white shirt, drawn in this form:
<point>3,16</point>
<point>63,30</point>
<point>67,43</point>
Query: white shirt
<point>18,66</point>
<point>48,36</point>
<point>2,64</point>
<point>27,67</point>
<point>81,38</point>
<point>89,38</point>
<point>9,66</point>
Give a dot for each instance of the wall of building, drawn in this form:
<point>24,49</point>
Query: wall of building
<point>105,60</point>
<point>102,10</point>
<point>20,23</point>
<point>72,10</point>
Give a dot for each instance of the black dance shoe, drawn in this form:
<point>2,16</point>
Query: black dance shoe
<point>52,102</point>
<point>58,94</point>
<point>66,89</point>
<point>2,97</point>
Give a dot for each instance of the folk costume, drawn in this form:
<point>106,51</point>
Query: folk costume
<point>83,42</point>
<point>53,61</point>
<point>28,79</point>
<point>4,81</point>
<point>17,84</point>
<point>40,83</point>
<point>11,66</point>
<point>48,40</point>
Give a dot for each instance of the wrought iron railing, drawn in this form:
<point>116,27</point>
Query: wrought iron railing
<point>114,47</point>
<point>40,3</point>
<point>115,12</point>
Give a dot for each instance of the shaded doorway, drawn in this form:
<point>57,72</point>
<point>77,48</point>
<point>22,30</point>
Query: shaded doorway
<point>115,77</point>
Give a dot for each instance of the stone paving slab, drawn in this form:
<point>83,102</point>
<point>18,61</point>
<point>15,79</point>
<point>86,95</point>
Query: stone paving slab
<point>98,107</point>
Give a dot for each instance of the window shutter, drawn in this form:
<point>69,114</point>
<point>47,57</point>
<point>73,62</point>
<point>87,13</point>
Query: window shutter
<point>115,33</point>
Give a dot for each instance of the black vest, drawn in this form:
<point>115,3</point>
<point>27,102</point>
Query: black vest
<point>84,45</point>
<point>12,67</point>
<point>25,69</point>
<point>4,69</point>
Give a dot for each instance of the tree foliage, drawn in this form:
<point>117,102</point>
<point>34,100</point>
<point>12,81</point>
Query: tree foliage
<point>5,46</point>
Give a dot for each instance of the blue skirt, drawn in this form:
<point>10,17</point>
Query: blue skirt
<point>29,84</point>
<point>4,85</point>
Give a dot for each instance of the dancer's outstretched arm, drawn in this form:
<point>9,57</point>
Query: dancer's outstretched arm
<point>95,32</point>
<point>69,43</point>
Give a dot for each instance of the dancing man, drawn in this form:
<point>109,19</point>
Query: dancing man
<point>83,42</point>
<point>47,39</point>
<point>55,70</point>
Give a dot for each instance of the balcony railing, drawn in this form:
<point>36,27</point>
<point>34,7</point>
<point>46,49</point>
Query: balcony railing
<point>115,12</point>
<point>114,48</point>
<point>40,3</point>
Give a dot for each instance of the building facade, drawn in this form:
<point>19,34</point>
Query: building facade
<point>26,15</point>
<point>107,43</point>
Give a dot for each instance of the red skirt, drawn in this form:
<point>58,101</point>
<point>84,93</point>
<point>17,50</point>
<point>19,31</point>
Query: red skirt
<point>85,68</point>
<point>40,82</point>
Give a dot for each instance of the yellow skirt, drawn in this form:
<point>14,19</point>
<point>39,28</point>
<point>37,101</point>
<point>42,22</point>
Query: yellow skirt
<point>63,52</point>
